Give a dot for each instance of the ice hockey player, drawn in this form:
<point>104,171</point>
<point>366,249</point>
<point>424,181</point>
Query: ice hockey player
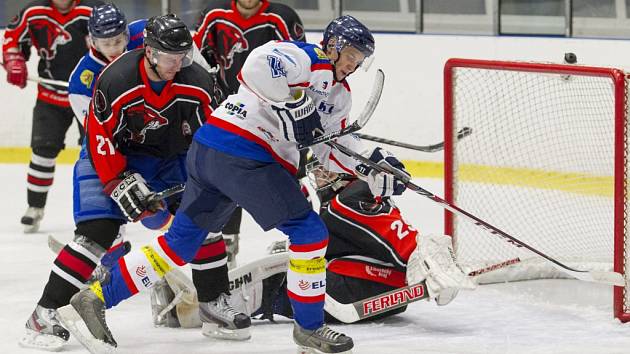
<point>371,250</point>
<point>138,131</point>
<point>227,32</point>
<point>57,29</point>
<point>253,137</point>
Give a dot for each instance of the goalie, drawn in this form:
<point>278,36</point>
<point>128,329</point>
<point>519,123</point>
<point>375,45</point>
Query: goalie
<point>372,250</point>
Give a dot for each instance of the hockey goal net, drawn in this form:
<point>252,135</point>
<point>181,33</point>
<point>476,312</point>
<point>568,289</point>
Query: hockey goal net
<point>546,163</point>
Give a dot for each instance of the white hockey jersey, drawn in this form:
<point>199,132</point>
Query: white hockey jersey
<point>245,125</point>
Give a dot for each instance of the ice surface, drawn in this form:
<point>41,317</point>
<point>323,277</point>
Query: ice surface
<point>545,316</point>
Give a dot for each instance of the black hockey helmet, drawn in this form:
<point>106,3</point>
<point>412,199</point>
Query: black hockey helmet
<point>106,21</point>
<point>168,33</point>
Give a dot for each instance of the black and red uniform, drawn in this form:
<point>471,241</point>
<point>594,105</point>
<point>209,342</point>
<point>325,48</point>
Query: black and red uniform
<point>60,41</point>
<point>369,246</point>
<point>225,38</point>
<point>132,125</point>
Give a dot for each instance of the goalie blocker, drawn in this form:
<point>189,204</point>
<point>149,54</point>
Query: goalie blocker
<point>372,255</point>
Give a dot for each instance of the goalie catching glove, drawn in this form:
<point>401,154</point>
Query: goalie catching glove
<point>299,120</point>
<point>434,262</point>
<point>133,196</point>
<point>382,184</point>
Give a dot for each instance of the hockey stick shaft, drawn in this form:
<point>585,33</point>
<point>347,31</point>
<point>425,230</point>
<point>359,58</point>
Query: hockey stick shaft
<point>362,119</point>
<point>462,133</point>
<point>494,267</point>
<point>44,80</point>
<point>169,192</point>
<point>610,278</point>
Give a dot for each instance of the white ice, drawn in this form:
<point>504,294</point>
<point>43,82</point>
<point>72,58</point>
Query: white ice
<point>545,316</point>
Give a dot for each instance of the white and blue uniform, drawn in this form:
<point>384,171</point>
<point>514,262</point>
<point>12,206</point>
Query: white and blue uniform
<point>246,126</point>
<point>84,76</point>
<point>241,156</point>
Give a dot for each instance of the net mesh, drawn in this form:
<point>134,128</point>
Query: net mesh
<point>539,166</point>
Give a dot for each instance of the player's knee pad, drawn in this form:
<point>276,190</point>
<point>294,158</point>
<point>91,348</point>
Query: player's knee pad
<point>307,229</point>
<point>101,231</point>
<point>161,220</point>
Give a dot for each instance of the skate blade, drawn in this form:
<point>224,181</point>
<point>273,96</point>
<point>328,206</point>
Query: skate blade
<point>41,341</point>
<point>309,350</point>
<point>212,330</point>
<point>71,320</point>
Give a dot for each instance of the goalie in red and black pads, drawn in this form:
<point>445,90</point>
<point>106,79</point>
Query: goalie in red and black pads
<point>147,105</point>
<point>228,30</point>
<point>57,29</point>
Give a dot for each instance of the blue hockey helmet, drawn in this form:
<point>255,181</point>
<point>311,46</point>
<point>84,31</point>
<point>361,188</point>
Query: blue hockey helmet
<point>106,21</point>
<point>347,30</point>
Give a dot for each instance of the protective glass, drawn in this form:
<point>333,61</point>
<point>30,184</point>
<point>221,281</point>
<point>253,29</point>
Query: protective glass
<point>172,60</point>
<point>113,46</point>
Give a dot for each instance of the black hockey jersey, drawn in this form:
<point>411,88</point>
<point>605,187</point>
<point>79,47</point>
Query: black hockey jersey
<point>127,117</point>
<point>361,226</point>
<point>60,41</point>
<point>225,38</point>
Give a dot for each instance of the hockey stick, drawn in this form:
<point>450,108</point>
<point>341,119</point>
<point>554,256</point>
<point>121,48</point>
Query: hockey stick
<point>169,192</point>
<point>462,133</point>
<point>611,278</point>
<point>494,267</point>
<point>361,120</point>
<point>44,80</point>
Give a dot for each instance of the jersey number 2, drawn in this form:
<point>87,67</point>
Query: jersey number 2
<point>102,141</point>
<point>401,228</point>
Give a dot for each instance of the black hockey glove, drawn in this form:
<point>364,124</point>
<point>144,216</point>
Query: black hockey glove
<point>299,120</point>
<point>133,196</point>
<point>382,184</point>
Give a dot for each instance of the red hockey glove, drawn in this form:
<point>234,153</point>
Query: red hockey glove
<point>15,65</point>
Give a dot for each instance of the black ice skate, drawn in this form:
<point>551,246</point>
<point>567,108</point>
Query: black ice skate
<point>321,340</point>
<point>31,219</point>
<point>44,331</point>
<point>221,321</point>
<point>85,319</point>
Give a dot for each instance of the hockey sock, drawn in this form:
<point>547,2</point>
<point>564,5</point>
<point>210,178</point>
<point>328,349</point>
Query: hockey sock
<point>139,270</point>
<point>209,268</point>
<point>306,283</point>
<point>41,171</point>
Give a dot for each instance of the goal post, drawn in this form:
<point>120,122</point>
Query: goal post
<point>547,163</point>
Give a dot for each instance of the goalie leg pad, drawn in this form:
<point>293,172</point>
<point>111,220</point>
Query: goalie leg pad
<point>434,261</point>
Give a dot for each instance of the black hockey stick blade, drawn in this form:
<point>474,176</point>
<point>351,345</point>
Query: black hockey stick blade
<point>362,119</point>
<point>372,306</point>
<point>610,278</point>
<point>464,132</point>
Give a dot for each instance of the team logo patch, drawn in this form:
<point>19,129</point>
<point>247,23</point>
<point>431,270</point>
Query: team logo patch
<point>100,102</point>
<point>56,36</point>
<point>304,285</point>
<point>231,41</point>
<point>320,54</point>
<point>275,64</point>
<point>143,119</point>
<point>86,78</point>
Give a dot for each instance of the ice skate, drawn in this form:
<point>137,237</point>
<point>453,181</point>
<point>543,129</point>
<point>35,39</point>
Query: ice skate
<point>231,248</point>
<point>85,319</point>
<point>321,340</point>
<point>221,321</point>
<point>31,219</point>
<point>44,331</point>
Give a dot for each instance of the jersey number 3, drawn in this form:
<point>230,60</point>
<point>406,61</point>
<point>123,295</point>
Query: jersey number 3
<point>104,143</point>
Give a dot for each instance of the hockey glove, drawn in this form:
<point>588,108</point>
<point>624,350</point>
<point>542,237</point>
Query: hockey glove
<point>299,120</point>
<point>133,196</point>
<point>15,65</point>
<point>382,184</point>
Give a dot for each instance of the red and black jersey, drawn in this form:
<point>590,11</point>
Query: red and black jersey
<point>127,117</point>
<point>225,38</point>
<point>362,227</point>
<point>60,40</point>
